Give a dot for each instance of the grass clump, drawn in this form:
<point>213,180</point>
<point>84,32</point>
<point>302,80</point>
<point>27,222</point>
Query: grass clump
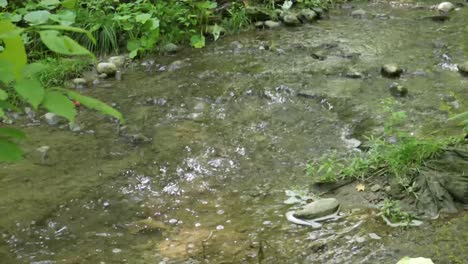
<point>60,70</point>
<point>392,211</point>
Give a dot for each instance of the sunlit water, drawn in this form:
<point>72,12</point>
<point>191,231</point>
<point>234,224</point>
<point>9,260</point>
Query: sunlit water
<point>226,135</point>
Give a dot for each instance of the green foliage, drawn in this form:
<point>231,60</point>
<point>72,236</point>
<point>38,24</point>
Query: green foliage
<point>392,210</point>
<point>19,81</point>
<point>237,19</point>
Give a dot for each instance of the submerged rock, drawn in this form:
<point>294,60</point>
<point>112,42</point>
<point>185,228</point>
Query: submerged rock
<point>391,70</point>
<point>445,7</point>
<point>107,68</point>
<point>398,90</point>
<point>318,208</point>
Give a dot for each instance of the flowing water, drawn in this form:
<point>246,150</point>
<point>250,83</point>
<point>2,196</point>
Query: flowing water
<point>199,172</point>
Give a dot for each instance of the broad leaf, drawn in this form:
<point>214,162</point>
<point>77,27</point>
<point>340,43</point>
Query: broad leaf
<point>9,151</point>
<point>33,68</point>
<point>133,53</point>
<point>216,31</point>
<point>3,95</point>
<point>3,3</point>
<point>64,18</point>
<point>197,41</point>
<point>49,3</point>
<point>62,44</point>
<point>37,17</point>
<point>96,105</point>
<point>30,90</point>
<point>6,132</point>
<point>142,18</point>
<point>59,104</point>
<point>14,53</point>
<point>69,4</point>
<point>67,28</point>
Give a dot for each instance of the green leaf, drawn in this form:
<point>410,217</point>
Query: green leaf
<point>3,3</point>
<point>133,44</point>
<point>96,105</point>
<point>142,18</point>
<point>3,95</point>
<point>30,90</point>
<point>62,44</point>
<point>9,151</point>
<point>59,104</point>
<point>197,41</point>
<point>49,3</point>
<point>33,68</point>
<point>14,53</point>
<point>133,54</point>
<point>216,31</point>
<point>6,132</point>
<point>67,28</point>
<point>64,18</point>
<point>69,4</point>
<point>37,17</point>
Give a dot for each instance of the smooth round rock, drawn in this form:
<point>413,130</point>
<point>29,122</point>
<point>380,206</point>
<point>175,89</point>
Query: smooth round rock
<point>79,81</point>
<point>445,7</point>
<point>391,70</point>
<point>291,20</point>
<point>107,68</point>
<point>359,13</point>
<point>272,24</point>
<point>52,119</point>
<point>318,208</point>
<point>118,61</point>
<point>308,15</point>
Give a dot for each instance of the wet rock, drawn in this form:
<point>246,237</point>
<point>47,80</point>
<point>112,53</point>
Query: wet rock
<point>272,24</point>
<point>375,188</point>
<point>107,68</point>
<point>318,208</point>
<point>52,119</point>
<point>319,11</point>
<point>102,76</point>
<point>79,82</point>
<point>391,70</point>
<point>29,113</point>
<point>291,20</point>
<point>398,90</point>
<point>118,61</point>
<point>236,45</point>
<point>408,260</point>
<point>74,127</point>
<point>388,189</point>
<point>307,15</point>
<point>359,13</point>
<point>170,48</point>
<point>374,236</point>
<point>176,65</point>
<point>360,239</point>
<point>139,138</point>
<point>146,225</point>
<point>354,74</point>
<point>463,68</point>
<point>259,24</point>
<point>445,7</point>
<point>43,153</point>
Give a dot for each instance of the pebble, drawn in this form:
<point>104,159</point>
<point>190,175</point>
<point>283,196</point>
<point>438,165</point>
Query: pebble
<point>360,239</point>
<point>374,236</point>
<point>116,250</point>
<point>219,227</point>
<point>52,119</point>
<point>375,188</point>
<point>173,221</point>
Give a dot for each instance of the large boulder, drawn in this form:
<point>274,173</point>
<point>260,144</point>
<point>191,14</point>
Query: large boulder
<point>318,208</point>
<point>107,68</point>
<point>445,7</point>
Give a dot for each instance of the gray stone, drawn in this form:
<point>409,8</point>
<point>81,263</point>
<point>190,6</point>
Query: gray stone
<point>236,45</point>
<point>359,13</point>
<point>171,48</point>
<point>175,65</point>
<point>118,61</point>
<point>272,24</point>
<point>360,239</point>
<point>52,119</point>
<point>259,24</point>
<point>107,68</point>
<point>374,236</point>
<point>74,127</point>
<point>79,81</point>
<point>375,188</point>
<point>445,7</point>
<point>102,75</point>
<point>29,112</point>
<point>319,11</point>
<point>398,90</point>
<point>291,20</point>
<point>308,15</point>
<point>391,70</point>
<point>318,208</point>
<point>388,189</point>
<point>463,68</point>
<point>354,74</point>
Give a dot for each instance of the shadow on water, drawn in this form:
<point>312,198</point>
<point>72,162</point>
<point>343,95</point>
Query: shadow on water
<point>199,172</point>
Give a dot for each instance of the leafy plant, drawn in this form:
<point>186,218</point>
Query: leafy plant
<point>18,79</point>
<point>392,211</point>
<point>237,19</point>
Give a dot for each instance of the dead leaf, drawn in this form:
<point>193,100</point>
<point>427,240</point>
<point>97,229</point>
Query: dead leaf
<point>360,187</point>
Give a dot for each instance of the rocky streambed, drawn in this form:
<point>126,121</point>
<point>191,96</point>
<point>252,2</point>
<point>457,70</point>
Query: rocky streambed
<point>215,137</point>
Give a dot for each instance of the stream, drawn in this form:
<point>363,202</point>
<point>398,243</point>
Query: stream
<point>214,137</point>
